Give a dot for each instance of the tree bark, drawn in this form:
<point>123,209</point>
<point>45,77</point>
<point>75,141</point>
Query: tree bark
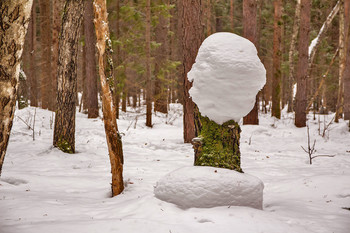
<point>302,66</point>
<point>291,54</point>
<point>250,33</point>
<point>105,63</point>
<point>232,11</point>
<point>347,64</point>
<point>14,19</point>
<point>64,132</point>
<point>46,55</point>
<point>277,56</point>
<point>90,61</point>
<point>148,66</point>
<point>192,39</point>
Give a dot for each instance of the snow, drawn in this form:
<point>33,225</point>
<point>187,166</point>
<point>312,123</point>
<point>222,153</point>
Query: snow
<point>203,187</point>
<point>44,190</point>
<point>226,77</point>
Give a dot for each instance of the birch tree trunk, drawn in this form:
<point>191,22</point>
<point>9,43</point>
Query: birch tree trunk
<point>291,54</point>
<point>105,62</point>
<point>192,39</point>
<point>277,56</point>
<point>14,19</point>
<point>302,67</point>
<point>64,132</point>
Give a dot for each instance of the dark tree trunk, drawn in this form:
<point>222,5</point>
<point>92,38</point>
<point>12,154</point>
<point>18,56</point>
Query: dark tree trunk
<point>46,55</point>
<point>277,56</point>
<point>249,32</point>
<point>90,61</point>
<point>302,66</point>
<point>347,64</point>
<point>14,19</point>
<point>192,39</point>
<point>64,132</point>
<point>148,66</point>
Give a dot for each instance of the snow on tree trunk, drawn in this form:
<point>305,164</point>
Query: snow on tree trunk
<point>14,19</point>
<point>64,132</point>
<point>226,77</point>
<point>105,63</point>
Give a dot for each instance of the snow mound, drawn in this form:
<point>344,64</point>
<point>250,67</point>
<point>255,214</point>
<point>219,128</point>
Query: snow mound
<point>226,77</point>
<point>204,187</point>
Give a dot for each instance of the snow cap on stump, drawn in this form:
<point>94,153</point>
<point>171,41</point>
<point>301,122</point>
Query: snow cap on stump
<point>226,77</point>
<point>205,187</point>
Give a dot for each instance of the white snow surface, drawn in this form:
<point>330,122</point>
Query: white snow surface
<point>203,187</point>
<point>43,190</point>
<point>226,77</point>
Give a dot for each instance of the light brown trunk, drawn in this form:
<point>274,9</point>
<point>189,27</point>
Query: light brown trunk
<point>14,19</point>
<point>114,142</point>
<point>302,66</point>
<point>192,39</point>
<point>232,11</point>
<point>64,132</point>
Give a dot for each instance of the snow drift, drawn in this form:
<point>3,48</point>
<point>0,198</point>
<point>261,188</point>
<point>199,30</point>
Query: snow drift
<point>204,187</point>
<point>226,77</point>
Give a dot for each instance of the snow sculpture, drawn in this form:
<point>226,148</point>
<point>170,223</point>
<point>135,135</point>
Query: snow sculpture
<point>204,187</point>
<point>226,77</point>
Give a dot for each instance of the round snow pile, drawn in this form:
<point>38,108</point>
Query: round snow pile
<point>204,187</point>
<point>226,77</point>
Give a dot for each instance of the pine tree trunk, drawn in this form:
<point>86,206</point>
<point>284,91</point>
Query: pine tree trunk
<point>342,61</point>
<point>105,63</point>
<point>90,61</point>
<point>64,132</point>
<point>302,66</point>
<point>46,55</point>
<point>277,56</point>
<point>218,145</point>
<point>232,11</point>
<point>249,32</point>
<point>14,19</point>
<point>292,52</point>
<point>347,64</point>
<point>148,66</point>
<point>192,39</point>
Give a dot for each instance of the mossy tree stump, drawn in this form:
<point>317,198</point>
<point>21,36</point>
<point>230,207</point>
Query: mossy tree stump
<point>218,145</point>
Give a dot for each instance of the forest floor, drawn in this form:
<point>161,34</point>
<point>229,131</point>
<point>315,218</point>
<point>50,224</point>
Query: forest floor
<point>45,190</point>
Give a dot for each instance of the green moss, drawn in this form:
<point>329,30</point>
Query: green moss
<point>64,146</point>
<point>219,145</point>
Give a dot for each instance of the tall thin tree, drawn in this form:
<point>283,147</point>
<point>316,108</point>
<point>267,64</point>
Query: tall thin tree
<point>302,66</point>
<point>148,66</point>
<point>64,132</point>
<point>14,19</point>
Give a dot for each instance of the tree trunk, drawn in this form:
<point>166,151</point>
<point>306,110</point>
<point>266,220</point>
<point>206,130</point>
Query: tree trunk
<point>342,61</point>
<point>90,61</point>
<point>148,66</point>
<point>277,56</point>
<point>45,63</point>
<point>105,63</point>
<point>232,11</point>
<point>292,52</point>
<point>249,32</point>
<point>14,19</point>
<point>56,26</point>
<point>302,66</point>
<point>218,145</point>
<point>347,65</point>
<point>192,39</point>
<point>161,57</point>
<point>64,132</point>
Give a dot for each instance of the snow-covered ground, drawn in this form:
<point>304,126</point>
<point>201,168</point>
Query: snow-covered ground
<point>45,190</point>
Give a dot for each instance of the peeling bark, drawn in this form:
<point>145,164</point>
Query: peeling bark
<point>14,19</point>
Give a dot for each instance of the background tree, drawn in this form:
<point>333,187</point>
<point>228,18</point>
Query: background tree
<point>14,19</point>
<point>64,131</point>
